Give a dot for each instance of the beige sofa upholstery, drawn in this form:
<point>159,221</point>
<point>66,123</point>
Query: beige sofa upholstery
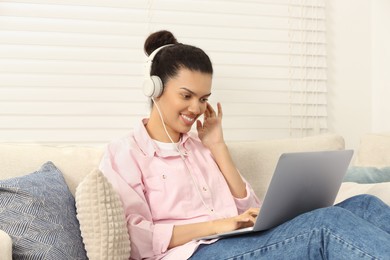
<point>374,150</point>
<point>255,160</point>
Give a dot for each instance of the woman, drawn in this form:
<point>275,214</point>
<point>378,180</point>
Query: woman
<point>177,186</point>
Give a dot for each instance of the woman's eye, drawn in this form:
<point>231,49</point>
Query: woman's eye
<point>186,96</point>
<point>204,100</point>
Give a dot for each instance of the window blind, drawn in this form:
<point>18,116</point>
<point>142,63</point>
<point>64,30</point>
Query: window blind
<point>71,71</point>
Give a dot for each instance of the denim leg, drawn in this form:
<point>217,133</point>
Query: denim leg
<point>369,208</point>
<point>328,233</point>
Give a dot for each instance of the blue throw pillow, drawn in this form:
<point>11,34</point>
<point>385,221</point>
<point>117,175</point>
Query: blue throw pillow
<point>38,212</point>
<point>367,174</point>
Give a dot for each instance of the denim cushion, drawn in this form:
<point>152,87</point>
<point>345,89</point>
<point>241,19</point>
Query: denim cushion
<point>361,174</point>
<point>38,212</point>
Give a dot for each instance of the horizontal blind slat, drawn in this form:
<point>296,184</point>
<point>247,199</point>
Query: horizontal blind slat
<point>74,108</point>
<point>71,12</point>
<point>31,52</point>
<point>45,38</point>
<point>73,94</point>
<point>25,79</point>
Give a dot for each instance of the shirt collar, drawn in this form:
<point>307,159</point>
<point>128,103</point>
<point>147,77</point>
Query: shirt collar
<point>149,148</point>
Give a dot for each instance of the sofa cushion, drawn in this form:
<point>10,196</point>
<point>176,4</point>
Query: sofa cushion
<point>349,189</point>
<point>74,161</point>
<point>374,150</point>
<point>256,160</point>
<point>367,174</point>
<point>38,212</point>
<point>102,219</point>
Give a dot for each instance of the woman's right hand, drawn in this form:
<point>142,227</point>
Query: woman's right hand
<point>246,219</point>
<point>184,233</point>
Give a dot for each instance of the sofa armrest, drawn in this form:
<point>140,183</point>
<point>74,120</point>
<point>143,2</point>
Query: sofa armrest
<point>5,246</point>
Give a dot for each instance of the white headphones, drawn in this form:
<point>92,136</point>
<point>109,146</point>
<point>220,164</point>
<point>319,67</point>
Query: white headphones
<point>153,86</point>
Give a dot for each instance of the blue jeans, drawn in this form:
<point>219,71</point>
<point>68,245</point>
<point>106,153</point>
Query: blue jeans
<point>357,228</point>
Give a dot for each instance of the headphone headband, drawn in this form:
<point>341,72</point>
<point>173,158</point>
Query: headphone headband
<point>150,58</point>
<point>153,86</point>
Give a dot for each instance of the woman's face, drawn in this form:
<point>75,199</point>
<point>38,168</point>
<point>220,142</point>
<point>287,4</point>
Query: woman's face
<point>184,99</point>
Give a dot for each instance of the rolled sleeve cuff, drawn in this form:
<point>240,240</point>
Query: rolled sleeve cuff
<point>162,237</point>
<point>249,201</point>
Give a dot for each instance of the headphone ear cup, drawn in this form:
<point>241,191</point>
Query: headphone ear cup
<point>153,87</point>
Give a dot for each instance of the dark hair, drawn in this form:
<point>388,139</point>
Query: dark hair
<point>169,60</point>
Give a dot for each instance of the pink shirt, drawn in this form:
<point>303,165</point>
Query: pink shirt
<point>158,192</point>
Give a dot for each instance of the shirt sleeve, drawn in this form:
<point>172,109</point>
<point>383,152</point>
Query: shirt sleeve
<point>147,239</point>
<point>250,201</point>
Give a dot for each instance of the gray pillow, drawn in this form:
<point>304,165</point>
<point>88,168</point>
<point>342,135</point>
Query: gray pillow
<point>367,174</point>
<point>38,212</point>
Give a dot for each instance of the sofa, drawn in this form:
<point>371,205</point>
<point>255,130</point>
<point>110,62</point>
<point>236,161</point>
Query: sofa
<point>94,218</point>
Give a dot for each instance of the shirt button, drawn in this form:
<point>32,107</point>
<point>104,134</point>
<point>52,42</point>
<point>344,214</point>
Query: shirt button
<point>164,176</point>
<point>204,189</point>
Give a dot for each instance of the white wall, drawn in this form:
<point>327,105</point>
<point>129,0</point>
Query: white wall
<point>358,61</point>
<point>380,65</point>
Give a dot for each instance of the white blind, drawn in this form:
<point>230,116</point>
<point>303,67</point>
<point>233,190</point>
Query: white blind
<point>71,71</point>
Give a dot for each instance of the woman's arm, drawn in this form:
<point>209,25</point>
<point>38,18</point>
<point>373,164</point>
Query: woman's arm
<point>185,233</point>
<point>225,163</point>
<point>211,135</point>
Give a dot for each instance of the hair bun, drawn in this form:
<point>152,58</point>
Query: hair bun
<point>158,39</point>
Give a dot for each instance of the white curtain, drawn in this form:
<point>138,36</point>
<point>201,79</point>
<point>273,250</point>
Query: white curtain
<point>71,71</point>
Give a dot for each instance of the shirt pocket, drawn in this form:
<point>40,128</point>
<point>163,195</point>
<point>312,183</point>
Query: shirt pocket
<point>168,194</point>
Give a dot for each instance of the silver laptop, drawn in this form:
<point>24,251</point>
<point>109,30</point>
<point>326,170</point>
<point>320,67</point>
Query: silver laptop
<point>301,182</point>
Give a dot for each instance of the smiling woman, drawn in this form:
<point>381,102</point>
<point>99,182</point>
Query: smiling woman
<point>181,183</point>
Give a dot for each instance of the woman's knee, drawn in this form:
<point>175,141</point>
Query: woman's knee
<point>329,217</point>
<point>361,202</point>
<point>363,198</point>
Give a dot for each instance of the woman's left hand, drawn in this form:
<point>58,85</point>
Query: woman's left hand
<point>210,132</point>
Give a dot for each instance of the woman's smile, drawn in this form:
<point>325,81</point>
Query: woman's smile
<point>188,120</point>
